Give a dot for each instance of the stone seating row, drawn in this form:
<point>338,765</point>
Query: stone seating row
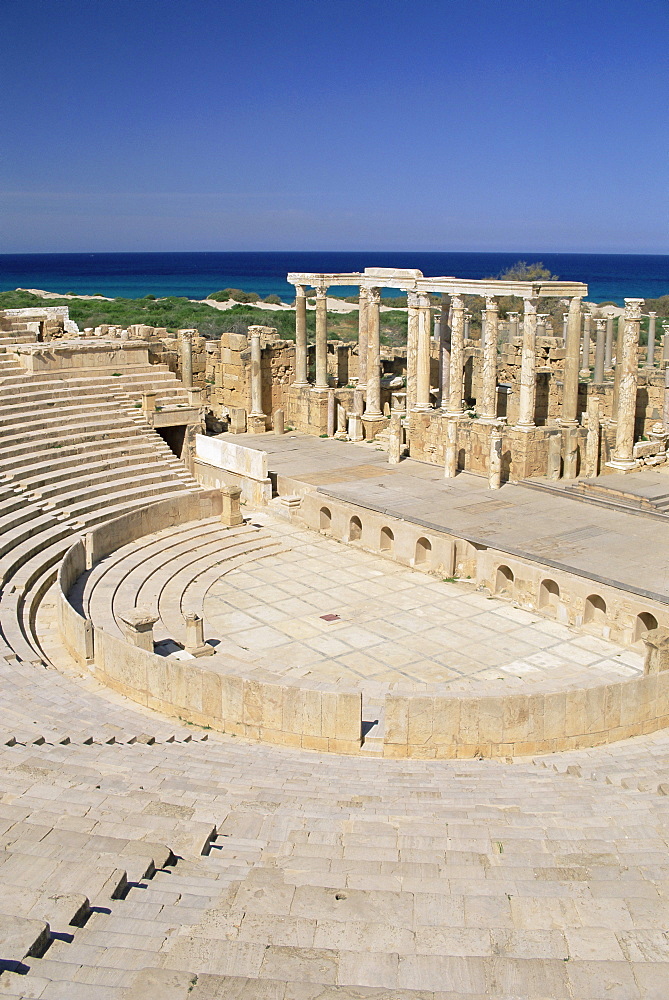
<point>444,886</point>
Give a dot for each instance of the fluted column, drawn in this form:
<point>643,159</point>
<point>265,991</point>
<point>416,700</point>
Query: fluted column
<point>363,330</point>
<point>301,353</point>
<point>412,348</point>
<point>618,369</point>
<point>565,321</point>
<point>608,352</point>
<point>457,356</point>
<point>187,358</point>
<point>423,353</point>
<point>490,317</point>
<point>256,373</point>
<point>528,365</point>
<point>513,324</point>
<point>650,357</point>
<point>444,351</point>
<point>600,350</point>
<point>585,346</point>
<point>623,456</point>
<point>373,355</point>
<point>321,338</point>
<point>571,364</point>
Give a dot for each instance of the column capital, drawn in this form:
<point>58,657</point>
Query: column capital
<point>530,305</point>
<point>413,299</point>
<point>633,308</point>
<point>363,292</point>
<point>254,331</point>
<point>301,291</point>
<point>186,335</point>
<point>600,323</point>
<point>491,304</point>
<point>424,300</point>
<point>374,295</point>
<point>322,291</point>
<point>651,314</point>
<point>457,301</point>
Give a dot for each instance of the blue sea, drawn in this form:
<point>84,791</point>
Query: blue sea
<point>610,277</point>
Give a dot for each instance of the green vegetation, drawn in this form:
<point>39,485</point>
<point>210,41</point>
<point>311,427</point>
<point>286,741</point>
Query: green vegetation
<point>236,294</point>
<point>522,271</point>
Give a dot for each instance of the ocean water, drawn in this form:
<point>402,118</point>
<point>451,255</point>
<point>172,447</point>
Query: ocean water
<point>610,277</point>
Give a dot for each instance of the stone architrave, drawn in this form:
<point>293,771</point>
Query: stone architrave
<point>256,372</point>
<point>623,455</point>
<point>186,337</point>
<point>373,409</point>
<point>528,367</point>
<point>608,353</point>
<point>495,458</point>
<point>195,644</point>
<point>585,345</point>
<point>444,350</point>
<point>457,356</point>
<point>412,348</point>
<point>650,356</point>
<point>451,447</point>
<point>488,409</point>
<point>321,380</point>
<point>592,440</point>
<point>363,331</point>
<point>600,350</point>
<point>423,354</point>
<point>571,363</point>
<point>301,351</point>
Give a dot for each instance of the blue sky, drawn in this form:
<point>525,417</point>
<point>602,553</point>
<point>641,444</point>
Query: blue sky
<point>333,124</point>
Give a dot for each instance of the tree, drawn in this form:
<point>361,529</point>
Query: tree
<point>522,271</point>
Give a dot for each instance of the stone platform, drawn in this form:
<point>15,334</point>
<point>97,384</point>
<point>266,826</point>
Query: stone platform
<point>549,528</point>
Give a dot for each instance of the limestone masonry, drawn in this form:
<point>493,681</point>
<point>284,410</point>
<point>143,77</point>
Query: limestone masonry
<point>383,715</point>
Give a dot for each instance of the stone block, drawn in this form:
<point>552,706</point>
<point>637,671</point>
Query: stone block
<point>397,719</point>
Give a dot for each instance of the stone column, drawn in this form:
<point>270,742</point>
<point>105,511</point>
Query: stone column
<point>513,325</point>
<point>444,351</point>
<point>363,330</point>
<point>451,447</point>
<point>490,318</point>
<point>457,356</point>
<point>623,456</point>
<point>332,413</point>
<point>650,357</point>
<point>565,321</point>
<point>608,352</point>
<point>278,422</point>
<point>373,355</point>
<point>528,366</point>
<point>600,350</point>
<point>554,464</point>
<point>467,324</point>
<point>570,388</point>
<point>665,412</point>
<point>149,401</point>
<point>592,440</point>
<point>423,353</point>
<point>665,343</point>
<point>301,351</point>
<point>585,346</point>
<point>495,459</point>
<point>395,439</point>
<point>412,348</point>
<point>187,358</point>
<point>195,644</point>
<point>618,369</point>
<point>321,381</point>
<point>256,373</point>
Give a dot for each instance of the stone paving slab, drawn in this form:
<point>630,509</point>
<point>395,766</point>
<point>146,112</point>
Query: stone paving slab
<point>394,627</point>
